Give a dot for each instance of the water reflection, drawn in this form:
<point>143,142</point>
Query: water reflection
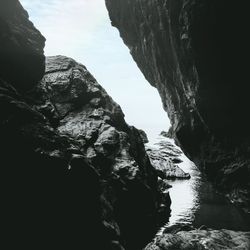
<point>195,202</point>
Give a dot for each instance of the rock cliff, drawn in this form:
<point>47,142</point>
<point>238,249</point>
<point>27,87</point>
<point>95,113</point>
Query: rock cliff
<point>75,174</point>
<point>194,53</point>
<point>80,109</point>
<point>22,59</point>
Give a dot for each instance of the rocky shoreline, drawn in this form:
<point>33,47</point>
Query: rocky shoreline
<point>75,174</point>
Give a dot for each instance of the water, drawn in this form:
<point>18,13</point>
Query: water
<point>195,202</point>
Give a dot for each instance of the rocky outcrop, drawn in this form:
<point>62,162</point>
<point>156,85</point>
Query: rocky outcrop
<point>202,239</point>
<point>75,174</point>
<point>80,109</point>
<point>194,53</point>
<point>165,157</point>
<point>21,52</point>
<point>74,171</point>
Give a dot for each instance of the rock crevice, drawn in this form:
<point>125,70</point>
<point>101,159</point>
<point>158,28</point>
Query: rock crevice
<point>193,52</point>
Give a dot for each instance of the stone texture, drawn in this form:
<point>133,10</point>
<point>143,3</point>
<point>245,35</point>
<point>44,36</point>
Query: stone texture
<point>44,176</point>
<point>202,239</point>
<point>165,157</point>
<point>74,171</point>
<point>194,53</point>
<point>74,174</point>
<point>79,108</point>
<point>21,47</point>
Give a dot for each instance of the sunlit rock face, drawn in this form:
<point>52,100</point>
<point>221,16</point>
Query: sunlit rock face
<point>194,53</point>
<point>21,47</point>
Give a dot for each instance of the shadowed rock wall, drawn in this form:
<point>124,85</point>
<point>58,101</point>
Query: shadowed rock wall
<point>195,54</point>
<point>22,59</point>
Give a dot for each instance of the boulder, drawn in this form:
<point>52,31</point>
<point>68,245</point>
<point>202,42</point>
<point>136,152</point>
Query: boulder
<point>165,157</point>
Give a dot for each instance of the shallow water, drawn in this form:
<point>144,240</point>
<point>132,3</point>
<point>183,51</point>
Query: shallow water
<point>196,203</point>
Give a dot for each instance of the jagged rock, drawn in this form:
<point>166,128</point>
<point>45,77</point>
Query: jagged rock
<point>42,194</point>
<point>76,153</point>
<point>84,112</point>
<point>202,239</point>
<point>189,51</point>
<point>21,47</point>
<point>164,157</point>
<point>73,170</point>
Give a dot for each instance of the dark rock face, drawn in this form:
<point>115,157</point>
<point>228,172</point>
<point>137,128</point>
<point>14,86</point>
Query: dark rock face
<point>75,174</point>
<point>79,108</point>
<point>186,49</point>
<point>74,170</point>
<point>21,47</point>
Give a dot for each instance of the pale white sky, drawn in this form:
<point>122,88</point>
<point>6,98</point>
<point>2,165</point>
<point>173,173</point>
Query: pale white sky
<point>81,29</point>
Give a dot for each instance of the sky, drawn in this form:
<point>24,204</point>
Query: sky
<point>81,29</point>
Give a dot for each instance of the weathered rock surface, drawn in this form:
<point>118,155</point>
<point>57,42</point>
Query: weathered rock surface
<point>202,239</point>
<point>79,108</point>
<point>165,157</point>
<point>75,175</point>
<point>21,47</point>
<point>194,53</point>
<point>74,171</point>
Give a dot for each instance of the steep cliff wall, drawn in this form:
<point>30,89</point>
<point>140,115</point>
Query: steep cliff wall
<point>194,53</point>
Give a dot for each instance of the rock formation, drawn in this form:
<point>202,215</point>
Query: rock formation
<point>194,53</point>
<point>74,173</point>
<point>165,157</point>
<point>201,240</point>
<point>79,108</point>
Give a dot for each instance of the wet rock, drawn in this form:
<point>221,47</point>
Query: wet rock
<point>202,239</point>
<point>184,50</point>
<point>165,157</point>
<point>21,47</point>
